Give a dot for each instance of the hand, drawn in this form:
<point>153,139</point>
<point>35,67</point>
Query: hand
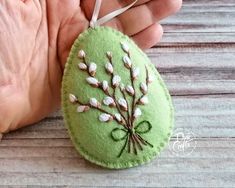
<point>35,40</point>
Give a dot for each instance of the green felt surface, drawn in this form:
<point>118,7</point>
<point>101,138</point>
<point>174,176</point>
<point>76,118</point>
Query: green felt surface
<point>91,137</point>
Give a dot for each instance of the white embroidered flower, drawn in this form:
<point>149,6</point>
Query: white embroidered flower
<point>105,85</point>
<point>150,79</point>
<point>122,87</point>
<point>109,101</point>
<point>109,54</point>
<point>116,80</point>
<point>105,117</point>
<point>123,104</point>
<point>130,90</point>
<point>92,81</point>
<point>144,100</point>
<point>72,98</point>
<point>82,66</point>
<point>127,61</point>
<point>137,113</point>
<point>92,68</point>
<point>143,88</point>
<point>125,47</point>
<point>118,117</point>
<point>109,67</point>
<point>93,102</point>
<point>135,72</point>
<point>81,54</point>
<point>82,108</point>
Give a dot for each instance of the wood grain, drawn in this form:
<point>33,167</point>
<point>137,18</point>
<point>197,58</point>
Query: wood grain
<point>196,58</point>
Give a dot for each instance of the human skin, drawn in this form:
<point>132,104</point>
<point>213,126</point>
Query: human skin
<point>35,40</point>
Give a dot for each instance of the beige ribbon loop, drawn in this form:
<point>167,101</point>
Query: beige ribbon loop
<point>97,22</point>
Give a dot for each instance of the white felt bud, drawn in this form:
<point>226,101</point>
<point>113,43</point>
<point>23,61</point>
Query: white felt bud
<point>81,54</point>
<point>93,81</point>
<point>116,80</point>
<point>143,88</point>
<point>82,66</point>
<point>150,79</point>
<point>109,54</point>
<point>127,61</point>
<point>94,102</point>
<point>109,101</point>
<point>125,47</point>
<point>105,85</point>
<point>144,100</point>
<point>105,117</point>
<point>109,67</point>
<point>130,90</point>
<point>92,68</point>
<point>82,108</point>
<point>118,117</point>
<point>122,102</point>
<point>122,87</point>
<point>72,98</point>
<point>137,113</point>
<point>135,73</point>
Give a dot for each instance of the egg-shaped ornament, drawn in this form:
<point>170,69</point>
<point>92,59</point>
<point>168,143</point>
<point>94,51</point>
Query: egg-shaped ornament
<point>116,106</point>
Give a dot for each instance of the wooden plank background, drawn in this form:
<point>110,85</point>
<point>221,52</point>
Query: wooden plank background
<point>197,60</point>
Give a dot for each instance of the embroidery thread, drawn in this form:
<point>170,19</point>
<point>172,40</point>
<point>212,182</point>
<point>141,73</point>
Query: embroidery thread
<point>126,113</point>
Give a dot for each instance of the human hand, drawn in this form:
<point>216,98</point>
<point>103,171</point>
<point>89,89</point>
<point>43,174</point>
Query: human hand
<point>35,40</point>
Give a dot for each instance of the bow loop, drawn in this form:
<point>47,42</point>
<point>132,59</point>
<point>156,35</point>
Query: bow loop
<point>143,127</point>
<point>118,134</point>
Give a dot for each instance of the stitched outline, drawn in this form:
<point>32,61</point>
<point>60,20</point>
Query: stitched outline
<point>67,119</point>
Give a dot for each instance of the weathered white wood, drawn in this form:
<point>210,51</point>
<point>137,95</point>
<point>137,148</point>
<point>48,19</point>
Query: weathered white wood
<point>113,179</point>
<point>196,70</point>
<point>58,165</point>
<point>212,59</point>
<point>177,38</point>
<point>213,148</point>
<point>200,19</point>
<point>203,16</point>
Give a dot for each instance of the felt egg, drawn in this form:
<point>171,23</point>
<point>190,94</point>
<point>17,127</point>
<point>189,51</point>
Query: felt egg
<point>116,107</point>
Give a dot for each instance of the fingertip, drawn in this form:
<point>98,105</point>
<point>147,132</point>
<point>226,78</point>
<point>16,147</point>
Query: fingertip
<point>149,37</point>
<point>173,5</point>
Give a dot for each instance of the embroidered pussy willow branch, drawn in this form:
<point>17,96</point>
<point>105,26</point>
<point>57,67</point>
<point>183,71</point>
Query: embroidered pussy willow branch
<point>127,112</point>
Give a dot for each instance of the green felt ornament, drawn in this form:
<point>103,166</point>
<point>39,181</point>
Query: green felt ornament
<point>116,107</point>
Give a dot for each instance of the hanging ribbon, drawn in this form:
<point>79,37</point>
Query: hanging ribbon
<point>97,22</point>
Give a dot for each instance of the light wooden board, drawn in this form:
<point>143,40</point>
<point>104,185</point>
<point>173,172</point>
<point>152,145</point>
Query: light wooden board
<point>196,58</point>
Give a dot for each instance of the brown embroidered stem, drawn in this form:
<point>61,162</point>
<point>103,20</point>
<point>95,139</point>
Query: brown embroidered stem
<point>127,111</point>
<point>87,70</point>
<point>115,99</point>
<point>128,115</point>
<point>147,83</point>
<point>145,142</point>
<point>119,108</point>
<point>133,97</point>
<point>138,142</point>
<point>110,95</point>
<point>134,144</point>
<point>102,110</point>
